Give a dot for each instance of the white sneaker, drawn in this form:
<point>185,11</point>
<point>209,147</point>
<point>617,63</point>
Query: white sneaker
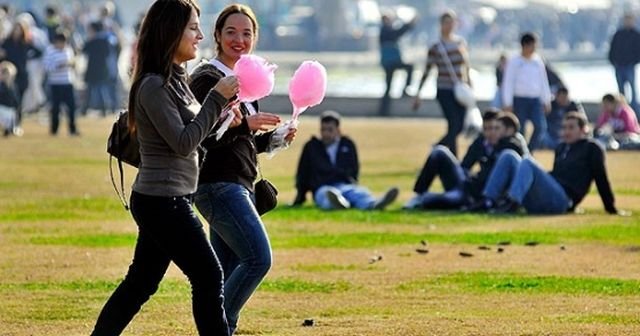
<point>386,199</point>
<point>414,203</point>
<point>337,201</point>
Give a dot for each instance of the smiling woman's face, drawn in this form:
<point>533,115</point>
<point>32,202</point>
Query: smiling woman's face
<point>236,38</point>
<point>190,39</point>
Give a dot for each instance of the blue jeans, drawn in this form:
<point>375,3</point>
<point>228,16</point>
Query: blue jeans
<point>627,74</point>
<point>537,190</point>
<point>389,70</point>
<point>168,230</point>
<point>240,240</point>
<point>531,109</point>
<point>359,197</point>
<point>98,96</point>
<point>502,174</point>
<point>454,112</point>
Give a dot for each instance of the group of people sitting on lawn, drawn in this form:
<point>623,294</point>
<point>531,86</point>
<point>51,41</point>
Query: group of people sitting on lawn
<point>507,180</point>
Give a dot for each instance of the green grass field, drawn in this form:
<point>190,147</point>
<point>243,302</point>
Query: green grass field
<point>66,241</point>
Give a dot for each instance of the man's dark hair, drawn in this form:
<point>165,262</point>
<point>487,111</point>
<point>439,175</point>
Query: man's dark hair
<point>59,36</point>
<point>330,116</point>
<point>490,114</point>
<point>50,11</point>
<point>562,90</point>
<point>609,98</point>
<point>528,39</point>
<point>581,118</point>
<point>96,26</point>
<point>447,15</point>
<point>509,120</point>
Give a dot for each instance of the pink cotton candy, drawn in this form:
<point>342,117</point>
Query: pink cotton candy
<point>307,86</point>
<point>255,77</point>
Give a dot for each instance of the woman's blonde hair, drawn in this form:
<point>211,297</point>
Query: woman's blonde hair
<point>8,71</point>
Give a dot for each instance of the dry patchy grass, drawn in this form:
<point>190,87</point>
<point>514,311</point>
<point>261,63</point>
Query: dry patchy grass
<point>65,242</point>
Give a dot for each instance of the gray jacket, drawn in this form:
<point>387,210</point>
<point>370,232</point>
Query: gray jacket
<point>170,124</point>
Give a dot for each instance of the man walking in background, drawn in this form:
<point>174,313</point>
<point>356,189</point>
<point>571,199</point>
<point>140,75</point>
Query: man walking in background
<point>624,55</point>
<point>526,90</point>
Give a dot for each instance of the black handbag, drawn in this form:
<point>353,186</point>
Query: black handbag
<point>124,146</point>
<point>266,194</point>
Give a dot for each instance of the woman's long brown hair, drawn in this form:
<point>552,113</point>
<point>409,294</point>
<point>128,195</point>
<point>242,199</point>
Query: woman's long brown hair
<point>158,40</point>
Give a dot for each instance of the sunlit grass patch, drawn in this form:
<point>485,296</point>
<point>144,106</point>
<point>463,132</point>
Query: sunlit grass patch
<point>87,240</point>
<point>322,268</point>
<point>75,208</point>
<point>613,234</point>
<point>313,214</point>
<point>380,239</point>
<point>483,282</point>
<point>291,285</point>
<point>602,318</point>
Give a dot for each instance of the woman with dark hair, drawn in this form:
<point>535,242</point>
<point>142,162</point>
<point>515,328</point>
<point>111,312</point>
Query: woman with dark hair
<point>225,194</point>
<point>18,48</point>
<point>169,124</point>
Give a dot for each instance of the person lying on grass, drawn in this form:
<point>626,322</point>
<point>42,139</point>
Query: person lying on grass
<point>520,182</point>
<point>329,168</point>
<point>462,188</point>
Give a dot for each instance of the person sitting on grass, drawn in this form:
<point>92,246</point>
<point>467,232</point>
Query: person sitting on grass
<point>508,135</point>
<point>561,105</point>
<point>579,160</point>
<point>8,97</point>
<point>617,126</point>
<point>329,168</point>
<point>500,131</point>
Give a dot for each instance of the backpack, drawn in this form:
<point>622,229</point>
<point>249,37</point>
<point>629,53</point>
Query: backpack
<point>124,146</point>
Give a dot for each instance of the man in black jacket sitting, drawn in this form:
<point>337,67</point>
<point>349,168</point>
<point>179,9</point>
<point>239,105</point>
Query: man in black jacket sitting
<point>329,168</point>
<point>578,161</point>
<point>461,187</point>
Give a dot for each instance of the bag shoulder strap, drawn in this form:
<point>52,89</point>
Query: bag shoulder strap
<point>121,193</point>
<point>445,55</point>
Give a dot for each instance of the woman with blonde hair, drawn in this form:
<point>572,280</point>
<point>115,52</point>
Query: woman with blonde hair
<point>225,194</point>
<point>8,97</point>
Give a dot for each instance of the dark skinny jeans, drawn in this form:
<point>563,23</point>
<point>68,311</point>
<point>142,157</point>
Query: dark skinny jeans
<point>454,113</point>
<point>442,163</point>
<point>168,230</point>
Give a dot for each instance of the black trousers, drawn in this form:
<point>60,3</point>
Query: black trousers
<point>169,230</point>
<point>63,93</point>
<point>389,70</point>
<point>442,163</point>
<point>454,112</point>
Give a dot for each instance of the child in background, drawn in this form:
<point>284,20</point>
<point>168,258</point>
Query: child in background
<point>59,63</point>
<point>8,97</point>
